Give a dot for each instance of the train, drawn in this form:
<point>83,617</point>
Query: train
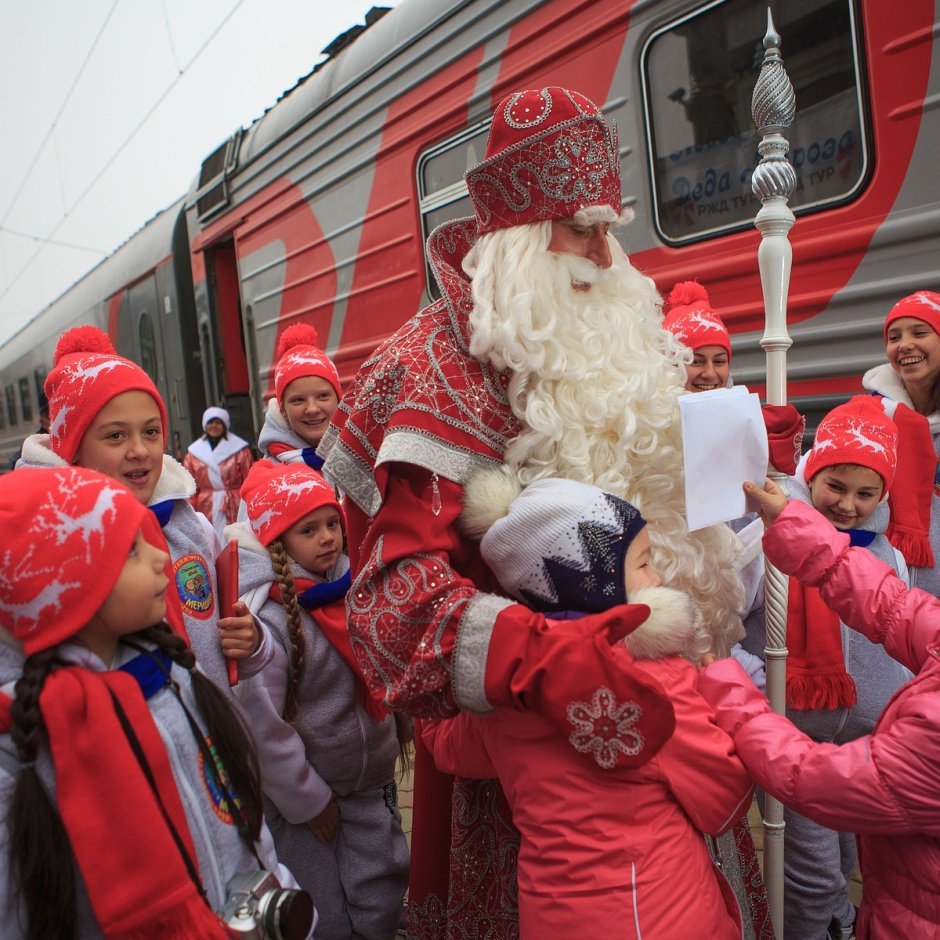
<point>318,211</point>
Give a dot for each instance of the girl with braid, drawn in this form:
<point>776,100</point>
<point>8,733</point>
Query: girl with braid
<point>129,791</point>
<point>327,749</point>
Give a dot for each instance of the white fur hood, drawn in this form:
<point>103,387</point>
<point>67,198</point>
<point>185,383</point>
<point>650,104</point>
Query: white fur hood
<point>885,381</point>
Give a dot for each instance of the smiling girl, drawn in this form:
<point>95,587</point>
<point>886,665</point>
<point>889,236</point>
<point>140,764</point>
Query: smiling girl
<point>691,319</point>
<point>909,386</point>
<point>306,396</point>
<point>106,414</point>
<point>327,749</point>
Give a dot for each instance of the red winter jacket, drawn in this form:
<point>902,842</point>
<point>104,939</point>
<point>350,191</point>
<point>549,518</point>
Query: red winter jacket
<point>885,787</point>
<point>611,853</point>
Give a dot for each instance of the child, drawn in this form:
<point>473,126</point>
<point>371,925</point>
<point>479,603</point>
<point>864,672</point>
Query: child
<point>909,386</point>
<point>327,750</point>
<point>306,396</point>
<point>837,683</point>
<point>604,852</point>
<point>882,786</point>
<point>114,750</point>
<point>107,414</point>
<point>691,319</point>
<point>219,462</point>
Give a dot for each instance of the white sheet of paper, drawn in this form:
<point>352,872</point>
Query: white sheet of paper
<point>724,443</point>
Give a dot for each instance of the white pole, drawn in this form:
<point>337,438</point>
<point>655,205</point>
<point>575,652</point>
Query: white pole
<point>772,107</point>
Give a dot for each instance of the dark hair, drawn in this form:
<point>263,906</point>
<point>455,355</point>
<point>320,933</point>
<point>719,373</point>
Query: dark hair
<point>280,562</point>
<point>39,843</point>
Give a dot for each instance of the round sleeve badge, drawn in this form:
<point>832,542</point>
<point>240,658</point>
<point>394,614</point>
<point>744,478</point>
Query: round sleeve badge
<point>194,586</point>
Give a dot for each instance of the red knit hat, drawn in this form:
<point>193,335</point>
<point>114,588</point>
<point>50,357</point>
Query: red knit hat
<point>924,305</point>
<point>66,535</point>
<point>858,432</point>
<point>691,319</point>
<point>86,374</point>
<point>550,153</point>
<point>298,355</point>
<point>278,494</point>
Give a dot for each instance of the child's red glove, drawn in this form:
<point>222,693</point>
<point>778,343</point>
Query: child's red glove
<point>570,673</point>
<point>785,427</point>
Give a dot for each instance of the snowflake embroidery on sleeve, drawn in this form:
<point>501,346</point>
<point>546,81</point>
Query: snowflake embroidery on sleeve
<point>605,727</point>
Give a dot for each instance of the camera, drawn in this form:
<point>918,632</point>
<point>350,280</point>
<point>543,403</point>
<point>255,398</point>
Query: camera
<point>258,908</point>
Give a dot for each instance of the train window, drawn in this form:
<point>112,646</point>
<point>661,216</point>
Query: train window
<point>213,177</point>
<point>148,346</point>
<point>442,192</point>
<point>698,76</point>
<point>26,403</point>
<point>11,404</point>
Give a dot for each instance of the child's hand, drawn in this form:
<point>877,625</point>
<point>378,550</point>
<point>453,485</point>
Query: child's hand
<point>239,635</point>
<point>707,660</point>
<point>771,499</point>
<point>326,824</point>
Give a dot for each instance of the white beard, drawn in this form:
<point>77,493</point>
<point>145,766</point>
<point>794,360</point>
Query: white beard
<point>595,385</point>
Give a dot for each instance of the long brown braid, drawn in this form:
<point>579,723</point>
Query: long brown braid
<point>40,852</point>
<point>41,860</point>
<point>280,562</point>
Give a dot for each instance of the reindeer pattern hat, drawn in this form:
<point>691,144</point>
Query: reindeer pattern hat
<point>86,374</point>
<point>923,305</point>
<point>858,432</point>
<point>691,319</point>
<point>278,494</point>
<point>67,533</point>
<point>298,354</point>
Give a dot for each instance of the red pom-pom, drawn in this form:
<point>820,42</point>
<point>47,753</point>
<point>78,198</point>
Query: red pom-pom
<point>83,339</point>
<point>685,293</point>
<point>300,334</point>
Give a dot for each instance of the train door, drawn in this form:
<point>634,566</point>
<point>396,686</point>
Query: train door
<point>223,342</point>
<point>142,325</point>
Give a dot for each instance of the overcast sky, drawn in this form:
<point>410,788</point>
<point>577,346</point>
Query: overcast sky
<point>78,78</point>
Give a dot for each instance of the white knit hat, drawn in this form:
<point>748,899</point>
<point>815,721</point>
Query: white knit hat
<point>215,413</point>
<point>557,544</point>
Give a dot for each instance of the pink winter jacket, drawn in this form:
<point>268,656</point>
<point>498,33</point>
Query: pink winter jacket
<point>885,787</point>
<point>611,853</point>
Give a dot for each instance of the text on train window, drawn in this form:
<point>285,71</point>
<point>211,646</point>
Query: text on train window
<point>698,77</point>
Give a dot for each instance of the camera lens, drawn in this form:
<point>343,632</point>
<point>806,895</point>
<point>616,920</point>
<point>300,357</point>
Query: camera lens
<point>288,915</point>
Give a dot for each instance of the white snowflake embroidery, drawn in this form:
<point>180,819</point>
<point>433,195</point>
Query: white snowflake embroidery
<point>605,728</point>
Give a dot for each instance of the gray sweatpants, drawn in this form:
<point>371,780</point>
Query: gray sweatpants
<point>358,881</point>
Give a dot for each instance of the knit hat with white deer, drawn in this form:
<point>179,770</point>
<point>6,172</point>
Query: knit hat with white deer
<point>67,532</point>
<point>278,494</point>
<point>86,374</point>
<point>858,432</point>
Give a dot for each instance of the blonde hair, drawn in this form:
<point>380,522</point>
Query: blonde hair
<point>280,562</point>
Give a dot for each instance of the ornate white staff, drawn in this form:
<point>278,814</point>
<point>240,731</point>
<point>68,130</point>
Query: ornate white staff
<point>772,106</point>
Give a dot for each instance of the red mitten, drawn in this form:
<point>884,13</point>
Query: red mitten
<point>570,673</point>
<point>785,427</point>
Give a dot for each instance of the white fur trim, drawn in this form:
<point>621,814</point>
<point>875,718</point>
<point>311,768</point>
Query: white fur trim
<point>487,497</point>
<point>175,482</point>
<point>37,452</point>
<point>669,627</point>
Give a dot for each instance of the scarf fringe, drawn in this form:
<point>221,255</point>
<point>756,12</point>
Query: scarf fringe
<point>191,920</point>
<point>914,546</point>
<point>835,690</point>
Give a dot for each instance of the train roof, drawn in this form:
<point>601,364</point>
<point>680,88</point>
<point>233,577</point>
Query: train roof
<point>136,257</point>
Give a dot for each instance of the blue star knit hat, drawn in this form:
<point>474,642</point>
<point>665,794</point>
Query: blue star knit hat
<point>556,544</point>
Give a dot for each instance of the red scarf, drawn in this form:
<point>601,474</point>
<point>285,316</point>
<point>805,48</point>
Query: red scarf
<point>913,489</point>
<point>816,676</point>
<point>135,875</point>
<point>331,619</point>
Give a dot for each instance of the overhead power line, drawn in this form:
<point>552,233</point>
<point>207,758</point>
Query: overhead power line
<point>55,120</point>
<point>109,162</point>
